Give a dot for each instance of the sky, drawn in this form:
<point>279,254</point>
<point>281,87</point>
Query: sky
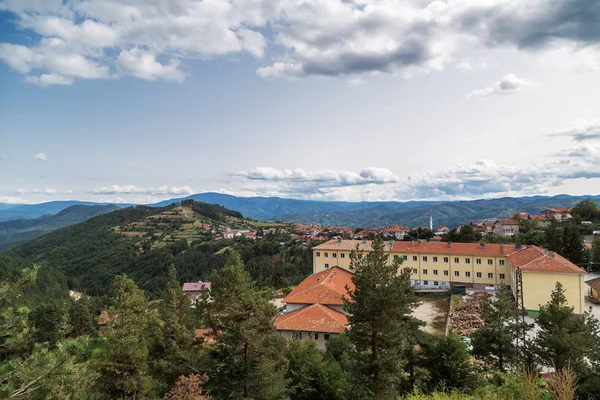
<point>358,100</point>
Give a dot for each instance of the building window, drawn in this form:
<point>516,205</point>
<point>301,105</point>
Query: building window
<point>435,283</point>
<point>326,265</point>
<point>501,276</point>
<point>478,274</point>
<point>405,258</point>
<point>327,336</point>
<point>299,335</point>
<point>396,258</point>
<point>490,261</point>
<point>414,270</point>
<point>425,283</point>
<point>414,258</point>
<point>434,259</point>
<point>468,274</point>
<point>445,259</point>
<point>490,275</point>
<point>501,262</point>
<point>456,273</point>
<point>316,336</point>
<point>424,272</point>
<point>455,260</point>
<point>334,255</point>
<point>435,272</point>
<point>445,272</point>
<point>478,261</point>
<point>468,260</point>
<point>342,255</point>
<point>425,258</point>
<point>326,255</point>
<point>318,254</point>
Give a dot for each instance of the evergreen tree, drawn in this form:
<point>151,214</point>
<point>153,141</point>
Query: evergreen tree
<point>123,363</point>
<point>495,341</point>
<point>247,360</point>
<point>572,244</point>
<point>380,310</point>
<point>564,338</point>
<point>451,364</point>
<point>554,237</point>
<point>596,250</point>
<point>587,210</point>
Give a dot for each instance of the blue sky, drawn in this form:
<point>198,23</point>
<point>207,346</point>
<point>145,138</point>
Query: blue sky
<point>137,101</point>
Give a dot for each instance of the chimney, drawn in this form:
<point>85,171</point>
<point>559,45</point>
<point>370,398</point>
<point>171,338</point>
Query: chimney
<point>364,241</point>
<point>420,243</point>
<point>551,254</point>
<point>502,248</point>
<point>339,239</point>
<point>517,246</point>
<point>449,244</point>
<point>482,245</point>
<point>326,295</point>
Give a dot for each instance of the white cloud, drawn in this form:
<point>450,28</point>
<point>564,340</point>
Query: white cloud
<point>12,200</point>
<point>470,65</point>
<point>356,81</point>
<point>583,130</point>
<point>41,157</point>
<point>507,85</point>
<point>46,191</point>
<point>136,190</point>
<point>143,64</point>
<point>49,79</point>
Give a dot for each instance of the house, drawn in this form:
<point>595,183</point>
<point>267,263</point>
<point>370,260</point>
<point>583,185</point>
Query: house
<point>594,285</point>
<point>103,320</point>
<point>315,308</point>
<point>558,214</point>
<point>192,289</point>
<point>394,231</point>
<point>506,227</point>
<point>480,266</point>
<point>542,220</point>
<point>442,229</point>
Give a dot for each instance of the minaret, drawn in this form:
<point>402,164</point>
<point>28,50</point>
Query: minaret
<point>431,222</point>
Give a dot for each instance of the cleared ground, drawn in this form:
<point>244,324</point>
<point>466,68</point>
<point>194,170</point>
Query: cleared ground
<point>433,311</point>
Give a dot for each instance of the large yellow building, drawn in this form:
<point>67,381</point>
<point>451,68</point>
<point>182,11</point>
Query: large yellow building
<point>439,265</point>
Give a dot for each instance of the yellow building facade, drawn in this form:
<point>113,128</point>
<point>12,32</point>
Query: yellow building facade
<point>438,265</point>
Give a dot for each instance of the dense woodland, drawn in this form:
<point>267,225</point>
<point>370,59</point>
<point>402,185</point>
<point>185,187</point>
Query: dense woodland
<point>51,348</point>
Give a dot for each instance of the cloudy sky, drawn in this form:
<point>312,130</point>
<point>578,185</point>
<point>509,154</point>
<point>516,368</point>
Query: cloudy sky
<point>141,100</point>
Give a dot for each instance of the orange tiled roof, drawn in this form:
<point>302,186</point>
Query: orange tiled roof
<point>104,318</point>
<point>539,217</point>
<point>326,287</point>
<point>594,284</point>
<point>313,318</point>
<point>455,248</point>
<point>334,244</point>
<point>508,222</point>
<point>536,259</point>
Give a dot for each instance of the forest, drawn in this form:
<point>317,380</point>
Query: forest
<point>52,347</point>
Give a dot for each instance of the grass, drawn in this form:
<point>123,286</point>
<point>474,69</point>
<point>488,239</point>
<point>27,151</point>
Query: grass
<point>457,300</point>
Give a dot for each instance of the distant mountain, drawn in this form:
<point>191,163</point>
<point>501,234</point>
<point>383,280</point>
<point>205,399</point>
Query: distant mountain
<point>272,208</point>
<point>29,211</point>
<point>21,230</point>
<point>449,213</point>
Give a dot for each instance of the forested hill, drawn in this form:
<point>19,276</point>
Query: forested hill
<point>143,242</point>
<point>450,213</point>
<point>21,230</point>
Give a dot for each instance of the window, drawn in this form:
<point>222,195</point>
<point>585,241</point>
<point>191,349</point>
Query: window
<point>414,258</point>
<point>425,283</point>
<point>326,255</point>
<point>334,255</point>
<point>435,283</point>
<point>490,261</point>
<point>299,335</point>
<point>478,274</point>
<point>396,258</point>
<point>501,262</point>
<point>405,258</point>
<point>424,272</point>
<point>435,272</point>
<point>318,254</point>
<point>414,270</point>
<point>434,259</point>
<point>326,265</point>
<point>478,261</point>
<point>468,274</point>
<point>425,258</point>
<point>501,276</point>
<point>316,336</point>
<point>445,259</point>
<point>360,256</point>
<point>445,272</point>
<point>455,260</point>
<point>468,260</point>
<point>327,336</point>
<point>456,273</point>
<point>342,255</point>
<point>490,275</point>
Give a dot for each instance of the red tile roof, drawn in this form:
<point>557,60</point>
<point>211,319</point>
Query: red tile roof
<point>539,217</point>
<point>508,222</point>
<point>104,318</point>
<point>335,244</point>
<point>536,259</point>
<point>594,284</point>
<point>195,286</point>
<point>326,287</point>
<point>455,248</point>
<point>313,318</point>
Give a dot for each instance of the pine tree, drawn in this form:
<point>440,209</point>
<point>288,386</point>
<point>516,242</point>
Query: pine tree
<point>451,364</point>
<point>564,338</point>
<point>495,341</point>
<point>572,244</point>
<point>380,310</point>
<point>596,250</point>
<point>554,237</point>
<point>123,363</point>
<point>247,360</point>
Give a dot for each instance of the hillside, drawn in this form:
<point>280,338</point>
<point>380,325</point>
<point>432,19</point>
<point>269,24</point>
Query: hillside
<point>21,230</point>
<point>10,212</point>
<point>450,213</point>
<point>143,242</point>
